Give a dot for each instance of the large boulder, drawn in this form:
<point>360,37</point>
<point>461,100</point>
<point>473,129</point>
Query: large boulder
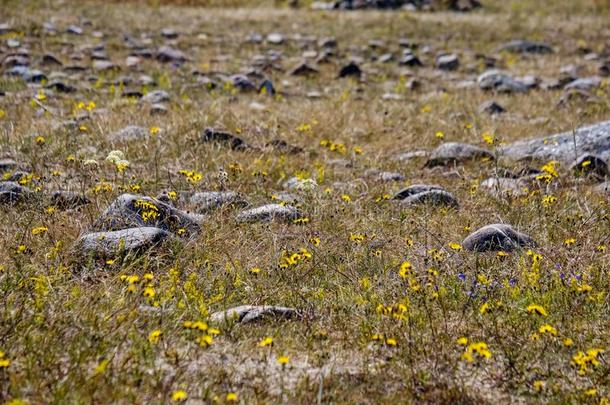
<point>565,147</point>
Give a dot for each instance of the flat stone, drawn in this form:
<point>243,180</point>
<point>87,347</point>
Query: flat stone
<point>496,237</point>
<point>156,96</point>
<point>411,155</point>
<point>207,201</point>
<point>129,210</point>
<point>251,313</point>
<point>169,33</point>
<point>524,46</point>
<point>505,187</point>
<point>104,66</point>
<point>383,175</point>
<point>593,139</point>
<point>109,244</point>
<point>451,153</point>
<point>432,198</point>
<point>585,83</point>
<point>130,133</point>
<point>415,189</point>
<point>158,109</point>
<point>269,212</point>
<point>295,183</point>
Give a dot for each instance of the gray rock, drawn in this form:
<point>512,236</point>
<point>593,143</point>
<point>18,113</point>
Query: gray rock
<point>497,237</point>
<point>524,46</point>
<point>242,83</point>
<point>577,95</point>
<point>415,189</point>
<point>211,200</point>
<point>7,165</point>
<point>167,54</point>
<point>14,193</point>
<point>451,153</point>
<point>108,244</point>
<point>590,166</point>
<point>266,86</point>
<point>501,82</point>
<point>287,198</point>
<point>604,67</point>
<point>448,62</point>
<point>158,109</point>
<point>411,155</point>
<point>410,59</point>
<point>295,183</point>
<point>226,138</point>
<point>275,38</point>
<point>351,69</point>
<point>592,139</point>
<point>130,133</point>
<point>250,313</point>
<point>60,86</point>
<point>269,212</point>
<point>169,33</point>
<point>384,176</point>
<point>68,199</point>
<point>585,83</point>
<point>431,198</point>
<point>304,69</point>
<point>16,176</point>
<point>603,188</point>
<point>129,211</point>
<point>156,96</point>
<point>104,66</point>
<point>491,107</point>
<point>504,186</point>
<point>284,147</point>
<point>74,30</point>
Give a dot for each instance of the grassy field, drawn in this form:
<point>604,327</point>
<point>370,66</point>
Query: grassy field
<point>393,310</point>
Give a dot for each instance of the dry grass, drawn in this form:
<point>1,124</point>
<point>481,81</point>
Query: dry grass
<point>76,334</point>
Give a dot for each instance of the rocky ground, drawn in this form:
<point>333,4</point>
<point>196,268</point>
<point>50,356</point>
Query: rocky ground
<point>304,204</point>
